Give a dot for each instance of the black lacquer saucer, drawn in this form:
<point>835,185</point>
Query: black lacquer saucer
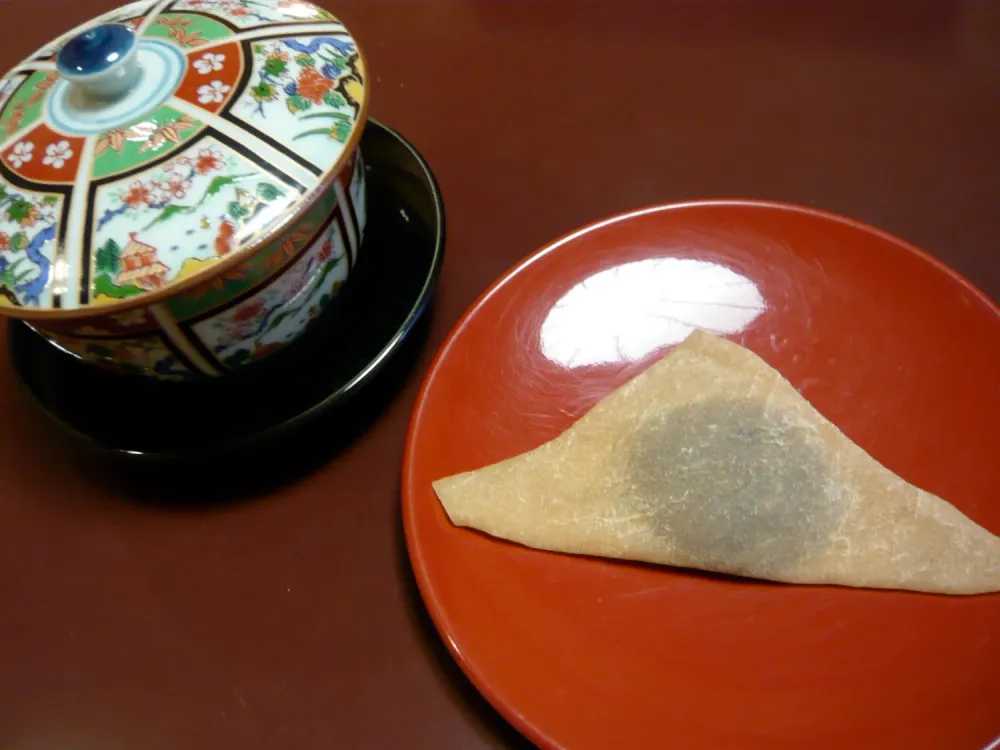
<point>372,324</point>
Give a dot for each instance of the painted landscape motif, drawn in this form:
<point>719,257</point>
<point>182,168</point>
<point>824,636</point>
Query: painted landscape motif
<point>156,134</point>
<point>258,266</point>
<point>177,218</point>
<point>24,106</point>
<point>276,314</point>
<point>245,13</point>
<point>27,238</point>
<point>306,92</point>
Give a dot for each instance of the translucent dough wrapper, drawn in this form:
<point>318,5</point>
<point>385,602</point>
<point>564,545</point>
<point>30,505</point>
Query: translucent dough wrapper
<point>710,459</point>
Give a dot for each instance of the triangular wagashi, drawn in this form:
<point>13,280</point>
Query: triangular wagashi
<point>710,459</point>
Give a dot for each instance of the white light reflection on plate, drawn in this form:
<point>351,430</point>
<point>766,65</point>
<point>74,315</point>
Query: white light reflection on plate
<point>623,313</point>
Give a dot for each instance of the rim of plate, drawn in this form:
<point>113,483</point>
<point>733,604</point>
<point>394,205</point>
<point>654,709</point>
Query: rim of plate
<point>435,605</point>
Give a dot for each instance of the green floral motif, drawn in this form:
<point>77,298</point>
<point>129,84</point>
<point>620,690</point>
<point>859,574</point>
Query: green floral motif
<point>156,134</point>
<point>318,81</point>
<point>25,106</point>
<point>264,92</point>
<point>275,66</point>
<point>188,30</point>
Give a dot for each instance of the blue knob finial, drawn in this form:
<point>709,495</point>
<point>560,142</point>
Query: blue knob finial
<point>96,50</point>
<point>102,60</point>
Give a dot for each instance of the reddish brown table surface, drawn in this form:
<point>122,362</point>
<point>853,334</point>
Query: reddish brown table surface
<point>291,619</point>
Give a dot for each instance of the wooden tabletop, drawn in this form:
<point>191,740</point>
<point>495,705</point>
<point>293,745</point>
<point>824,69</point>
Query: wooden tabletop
<point>288,617</point>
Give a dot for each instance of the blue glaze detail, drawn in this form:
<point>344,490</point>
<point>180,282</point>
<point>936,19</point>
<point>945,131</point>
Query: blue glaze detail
<point>31,291</point>
<point>95,50</point>
<point>64,114</point>
<point>343,47</point>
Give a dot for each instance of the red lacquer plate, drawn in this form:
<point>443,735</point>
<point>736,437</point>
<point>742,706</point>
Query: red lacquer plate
<point>896,349</point>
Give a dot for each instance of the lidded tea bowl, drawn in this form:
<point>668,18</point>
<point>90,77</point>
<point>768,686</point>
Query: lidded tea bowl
<point>181,189</point>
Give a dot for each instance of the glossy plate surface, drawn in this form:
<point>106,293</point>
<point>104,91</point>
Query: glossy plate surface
<point>898,351</point>
<point>366,325</point>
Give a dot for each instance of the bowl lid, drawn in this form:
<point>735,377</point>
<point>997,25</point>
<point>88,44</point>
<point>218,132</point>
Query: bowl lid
<point>143,149</point>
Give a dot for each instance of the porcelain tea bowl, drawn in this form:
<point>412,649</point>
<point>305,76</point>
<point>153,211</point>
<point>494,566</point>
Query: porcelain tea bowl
<point>181,188</point>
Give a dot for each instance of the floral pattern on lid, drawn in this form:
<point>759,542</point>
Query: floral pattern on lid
<point>249,13</point>
<point>244,111</point>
